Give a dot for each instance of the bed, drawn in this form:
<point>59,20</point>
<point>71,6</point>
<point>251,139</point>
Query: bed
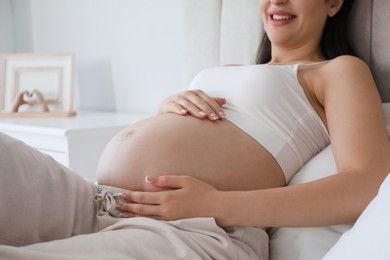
<point>229,33</point>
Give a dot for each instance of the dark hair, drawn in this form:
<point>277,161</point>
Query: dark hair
<point>334,40</point>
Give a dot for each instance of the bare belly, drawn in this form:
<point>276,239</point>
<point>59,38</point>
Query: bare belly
<point>218,153</point>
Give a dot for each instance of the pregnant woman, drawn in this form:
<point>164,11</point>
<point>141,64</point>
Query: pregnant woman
<point>202,179</point>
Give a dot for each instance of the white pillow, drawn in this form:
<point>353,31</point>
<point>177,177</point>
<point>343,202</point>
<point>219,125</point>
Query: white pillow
<point>307,243</point>
<point>370,236</point>
<point>314,243</point>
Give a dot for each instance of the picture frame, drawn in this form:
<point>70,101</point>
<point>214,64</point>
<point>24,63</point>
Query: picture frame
<point>36,84</point>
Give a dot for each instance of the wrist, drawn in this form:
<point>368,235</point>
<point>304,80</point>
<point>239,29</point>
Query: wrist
<point>223,210</point>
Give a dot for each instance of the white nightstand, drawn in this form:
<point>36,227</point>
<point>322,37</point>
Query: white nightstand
<point>76,142</point>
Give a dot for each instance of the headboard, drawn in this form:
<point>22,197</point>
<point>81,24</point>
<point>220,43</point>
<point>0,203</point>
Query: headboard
<point>370,37</point>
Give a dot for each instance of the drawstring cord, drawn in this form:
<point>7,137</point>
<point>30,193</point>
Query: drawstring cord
<point>106,203</point>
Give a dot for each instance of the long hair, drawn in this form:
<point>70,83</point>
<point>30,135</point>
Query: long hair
<point>334,40</point>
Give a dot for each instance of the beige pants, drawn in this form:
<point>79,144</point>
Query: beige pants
<point>48,212</point>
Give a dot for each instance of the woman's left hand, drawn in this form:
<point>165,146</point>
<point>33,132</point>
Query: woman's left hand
<point>186,197</point>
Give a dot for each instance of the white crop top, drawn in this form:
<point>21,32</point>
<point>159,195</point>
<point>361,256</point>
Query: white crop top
<point>269,104</point>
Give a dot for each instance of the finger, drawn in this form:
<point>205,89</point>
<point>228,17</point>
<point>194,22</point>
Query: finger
<point>178,109</point>
<point>208,104</point>
<point>127,215</point>
<point>130,215</point>
<point>168,181</point>
<point>141,197</point>
<point>215,104</point>
<point>134,209</point>
<point>179,104</point>
<point>220,101</point>
<point>203,108</point>
<point>171,107</point>
<point>191,108</point>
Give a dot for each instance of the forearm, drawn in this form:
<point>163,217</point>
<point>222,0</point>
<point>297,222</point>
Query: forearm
<point>337,199</point>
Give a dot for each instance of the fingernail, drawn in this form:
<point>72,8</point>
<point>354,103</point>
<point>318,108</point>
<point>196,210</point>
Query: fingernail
<point>202,113</point>
<point>151,179</point>
<point>214,116</point>
<point>183,111</point>
<point>119,207</point>
<point>124,215</point>
<point>123,195</point>
<point>221,114</point>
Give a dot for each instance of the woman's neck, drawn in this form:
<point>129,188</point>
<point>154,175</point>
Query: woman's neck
<point>300,55</point>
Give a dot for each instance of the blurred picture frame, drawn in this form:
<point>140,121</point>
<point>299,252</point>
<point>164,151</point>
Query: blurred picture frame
<point>36,84</point>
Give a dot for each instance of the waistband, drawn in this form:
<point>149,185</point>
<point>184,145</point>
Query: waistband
<point>275,144</point>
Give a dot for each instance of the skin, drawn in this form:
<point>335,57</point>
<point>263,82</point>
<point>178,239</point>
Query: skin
<point>211,155</point>
<point>343,93</point>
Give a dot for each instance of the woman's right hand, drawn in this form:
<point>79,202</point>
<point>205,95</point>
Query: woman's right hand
<point>195,103</point>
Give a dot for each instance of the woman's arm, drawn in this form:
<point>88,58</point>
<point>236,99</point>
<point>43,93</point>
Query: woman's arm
<point>359,142</point>
<point>361,150</point>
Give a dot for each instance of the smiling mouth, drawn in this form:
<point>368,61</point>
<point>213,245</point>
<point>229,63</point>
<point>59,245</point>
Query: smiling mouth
<point>281,17</point>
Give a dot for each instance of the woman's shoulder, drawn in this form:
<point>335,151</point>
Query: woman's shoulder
<point>345,62</point>
<point>338,64</point>
<point>345,66</point>
<point>335,74</point>
<point>346,73</point>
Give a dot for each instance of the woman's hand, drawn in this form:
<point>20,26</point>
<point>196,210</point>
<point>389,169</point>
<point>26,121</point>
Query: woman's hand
<point>187,197</point>
<point>195,103</point>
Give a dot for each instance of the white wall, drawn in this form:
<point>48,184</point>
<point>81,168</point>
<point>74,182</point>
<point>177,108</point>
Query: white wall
<point>6,27</point>
<point>22,25</point>
<point>130,54</point>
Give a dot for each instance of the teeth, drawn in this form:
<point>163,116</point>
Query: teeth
<point>281,17</point>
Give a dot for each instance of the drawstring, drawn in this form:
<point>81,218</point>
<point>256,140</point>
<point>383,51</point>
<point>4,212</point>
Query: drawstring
<point>106,203</point>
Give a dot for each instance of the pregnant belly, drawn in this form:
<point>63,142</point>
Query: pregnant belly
<point>218,153</point>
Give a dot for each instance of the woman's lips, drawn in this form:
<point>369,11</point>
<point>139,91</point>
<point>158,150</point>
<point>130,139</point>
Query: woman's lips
<point>281,18</point>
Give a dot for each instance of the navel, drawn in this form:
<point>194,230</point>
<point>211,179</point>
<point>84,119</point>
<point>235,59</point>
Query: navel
<point>129,133</point>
